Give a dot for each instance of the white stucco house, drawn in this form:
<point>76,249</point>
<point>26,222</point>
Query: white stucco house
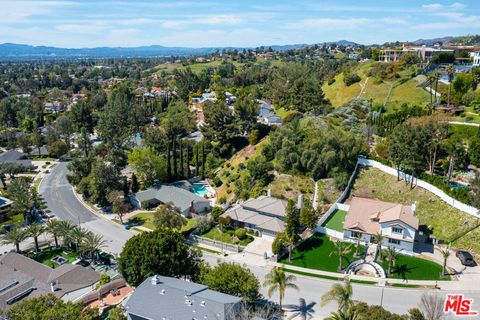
<point>476,59</point>
<point>369,217</point>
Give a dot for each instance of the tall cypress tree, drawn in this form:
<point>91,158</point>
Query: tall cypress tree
<point>174,150</point>
<point>203,160</point>
<point>187,162</point>
<point>196,160</point>
<point>182,167</point>
<point>169,165</point>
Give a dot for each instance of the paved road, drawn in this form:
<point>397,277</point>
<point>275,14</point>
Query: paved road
<point>62,202</point>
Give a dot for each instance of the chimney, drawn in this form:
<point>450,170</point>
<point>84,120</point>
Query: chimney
<point>155,280</point>
<point>300,201</point>
<point>269,193</point>
<point>53,287</point>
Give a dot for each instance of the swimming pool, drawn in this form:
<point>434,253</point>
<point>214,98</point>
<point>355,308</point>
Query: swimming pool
<point>199,189</point>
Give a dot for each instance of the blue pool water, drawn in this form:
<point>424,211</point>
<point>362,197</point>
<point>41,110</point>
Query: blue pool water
<point>199,189</point>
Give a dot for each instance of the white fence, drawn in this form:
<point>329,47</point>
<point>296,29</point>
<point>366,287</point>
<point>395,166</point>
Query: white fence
<point>422,184</point>
<point>216,243</point>
<point>330,232</point>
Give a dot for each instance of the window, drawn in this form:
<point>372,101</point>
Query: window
<point>397,230</point>
<point>393,241</point>
<point>356,234</point>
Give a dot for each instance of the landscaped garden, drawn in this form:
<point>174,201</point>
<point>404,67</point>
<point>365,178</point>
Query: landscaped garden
<point>15,219</point>
<point>47,254</point>
<point>146,219</point>
<point>319,252</point>
<point>335,221</point>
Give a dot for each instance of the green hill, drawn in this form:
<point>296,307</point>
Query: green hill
<point>404,89</point>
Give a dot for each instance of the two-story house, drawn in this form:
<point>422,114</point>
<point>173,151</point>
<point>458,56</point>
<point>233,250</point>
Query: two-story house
<point>369,217</point>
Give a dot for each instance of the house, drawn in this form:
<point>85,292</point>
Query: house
<point>159,298</point>
<point>178,194</point>
<point>424,53</point>
<point>14,156</point>
<point>266,114</point>
<point>369,217</point>
<point>265,214</point>
<point>476,59</point>
<point>54,107</point>
<point>22,278</point>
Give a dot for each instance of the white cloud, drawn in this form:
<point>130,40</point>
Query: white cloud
<point>329,23</point>
<point>439,6</point>
<point>208,20</point>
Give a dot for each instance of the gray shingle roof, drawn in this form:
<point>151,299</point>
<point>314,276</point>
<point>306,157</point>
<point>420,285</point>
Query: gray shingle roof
<point>175,299</point>
<point>30,273</point>
<point>180,197</point>
<point>14,156</point>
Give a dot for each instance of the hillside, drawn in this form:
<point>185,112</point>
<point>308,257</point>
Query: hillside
<point>403,89</point>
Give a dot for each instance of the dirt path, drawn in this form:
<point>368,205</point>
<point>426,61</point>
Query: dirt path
<point>362,87</point>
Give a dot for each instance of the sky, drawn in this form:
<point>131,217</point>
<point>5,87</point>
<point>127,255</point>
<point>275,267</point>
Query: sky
<point>218,23</point>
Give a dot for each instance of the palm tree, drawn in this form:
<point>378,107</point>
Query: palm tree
<point>391,255</point>
<point>450,72</point>
<point>65,230</point>
<point>431,80</point>
<point>378,240</point>
<point>35,230</point>
<point>78,235</point>
<point>302,311</point>
<point>341,250</point>
<point>351,314</point>
<point>92,243</point>
<point>53,227</point>
<point>278,280</point>
<point>437,78</point>
<point>341,294</point>
<point>445,254</point>
<point>15,236</point>
<point>357,238</point>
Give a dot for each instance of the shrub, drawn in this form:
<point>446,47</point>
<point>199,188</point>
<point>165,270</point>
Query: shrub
<point>351,78</point>
<point>217,182</point>
<point>222,200</point>
<point>241,233</point>
<point>331,81</point>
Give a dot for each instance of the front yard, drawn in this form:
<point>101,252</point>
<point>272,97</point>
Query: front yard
<point>227,236</point>
<point>145,219</point>
<point>316,253</point>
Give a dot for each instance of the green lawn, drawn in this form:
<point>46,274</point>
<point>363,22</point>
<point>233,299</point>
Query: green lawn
<point>18,218</point>
<point>446,222</point>
<point>46,255</point>
<point>227,236</point>
<point>315,254</point>
<point>145,219</point>
<point>413,268</point>
<point>335,221</point>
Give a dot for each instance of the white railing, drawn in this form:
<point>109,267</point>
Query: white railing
<point>422,184</point>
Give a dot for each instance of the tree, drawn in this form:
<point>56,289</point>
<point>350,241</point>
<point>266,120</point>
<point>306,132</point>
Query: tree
<point>308,215</point>
<point>432,306</point>
<point>246,111</point>
<point>351,314</point>
<point>233,279</point>
<point>277,280</point>
<point>292,223</point>
<point>280,243</point>
<point>103,179</point>
<point>53,227</point>
<point>77,236</point>
<point>65,230</point>
<point>450,73</point>
<point>15,236</point>
<point>391,255</point>
<point>445,252</point>
<point>341,294</point>
<point>19,192</point>
<point>162,252</point>
<point>168,216</point>
<point>117,313</point>
<point>366,311</point>
<point>58,149</point>
<point>119,206</point>
<point>49,307</point>
<point>149,166</point>
<point>135,185</point>
<point>378,240</point>
<point>92,243</point>
<point>35,230</point>
<point>63,126</point>
<point>475,194</point>
<point>342,249</point>
<point>81,116</point>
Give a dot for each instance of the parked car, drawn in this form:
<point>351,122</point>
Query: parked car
<point>466,258</point>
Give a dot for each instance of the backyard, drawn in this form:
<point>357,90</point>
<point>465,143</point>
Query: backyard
<point>335,221</point>
<point>47,254</point>
<point>446,222</point>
